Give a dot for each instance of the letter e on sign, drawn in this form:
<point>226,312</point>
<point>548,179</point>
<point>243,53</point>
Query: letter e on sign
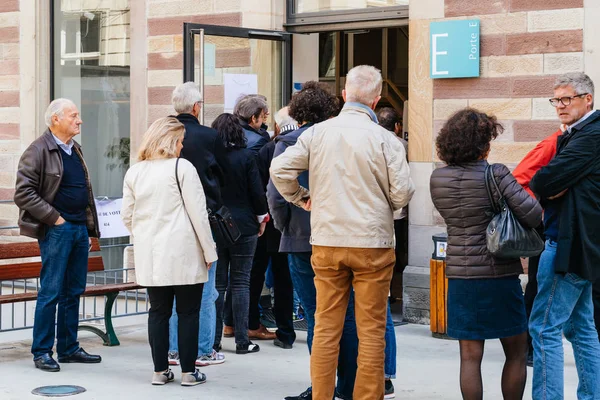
<point>454,49</point>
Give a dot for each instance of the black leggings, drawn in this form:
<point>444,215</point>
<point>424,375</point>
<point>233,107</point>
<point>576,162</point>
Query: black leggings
<point>514,374</point>
<point>189,298</point>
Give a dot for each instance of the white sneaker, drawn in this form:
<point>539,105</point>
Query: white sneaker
<point>212,359</point>
<point>173,358</point>
<point>161,378</point>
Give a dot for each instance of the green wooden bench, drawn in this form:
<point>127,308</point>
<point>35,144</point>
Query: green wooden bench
<point>31,270</point>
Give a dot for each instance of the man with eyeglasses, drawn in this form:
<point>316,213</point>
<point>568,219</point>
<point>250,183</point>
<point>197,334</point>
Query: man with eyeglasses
<point>569,189</point>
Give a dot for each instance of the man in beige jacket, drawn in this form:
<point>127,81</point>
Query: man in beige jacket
<point>358,177</point>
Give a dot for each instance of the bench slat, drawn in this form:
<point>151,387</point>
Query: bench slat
<point>98,290</point>
<point>32,269</point>
<point>17,298</point>
<point>29,249</point>
<point>114,287</point>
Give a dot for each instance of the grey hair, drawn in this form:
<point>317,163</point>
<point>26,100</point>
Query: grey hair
<point>250,106</point>
<point>282,118</point>
<point>185,96</point>
<point>56,107</point>
<point>579,81</point>
<point>363,84</point>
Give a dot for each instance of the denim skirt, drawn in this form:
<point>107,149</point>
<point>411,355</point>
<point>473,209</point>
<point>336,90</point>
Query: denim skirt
<point>480,309</point>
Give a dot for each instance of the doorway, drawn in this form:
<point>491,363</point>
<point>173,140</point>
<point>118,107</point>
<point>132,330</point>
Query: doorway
<point>229,62</point>
<point>383,48</point>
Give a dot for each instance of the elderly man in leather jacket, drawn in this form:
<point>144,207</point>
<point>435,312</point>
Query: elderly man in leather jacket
<point>54,195</point>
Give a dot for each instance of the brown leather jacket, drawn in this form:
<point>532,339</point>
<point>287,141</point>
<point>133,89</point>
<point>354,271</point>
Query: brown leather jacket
<point>38,179</point>
<point>460,196</point>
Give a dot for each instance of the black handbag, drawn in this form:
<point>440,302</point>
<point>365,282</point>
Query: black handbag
<point>224,229</point>
<point>506,237</point>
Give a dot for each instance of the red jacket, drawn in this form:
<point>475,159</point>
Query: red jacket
<point>537,158</point>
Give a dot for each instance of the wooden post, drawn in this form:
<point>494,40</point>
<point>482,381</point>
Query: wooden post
<point>438,296</point>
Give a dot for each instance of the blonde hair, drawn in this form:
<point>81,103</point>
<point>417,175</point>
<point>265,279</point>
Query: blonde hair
<point>160,140</point>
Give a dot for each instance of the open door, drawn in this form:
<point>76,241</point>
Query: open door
<point>228,62</point>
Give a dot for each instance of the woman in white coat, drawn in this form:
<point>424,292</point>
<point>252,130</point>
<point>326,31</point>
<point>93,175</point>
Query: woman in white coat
<point>172,243</point>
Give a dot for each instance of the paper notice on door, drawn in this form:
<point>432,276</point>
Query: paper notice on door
<point>109,218</point>
<point>237,85</point>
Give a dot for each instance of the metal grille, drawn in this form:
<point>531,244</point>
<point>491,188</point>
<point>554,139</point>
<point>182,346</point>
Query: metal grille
<point>17,316</point>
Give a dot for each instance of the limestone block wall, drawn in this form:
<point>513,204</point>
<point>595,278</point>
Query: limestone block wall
<point>164,48</point>
<point>10,111</point>
<point>525,44</point>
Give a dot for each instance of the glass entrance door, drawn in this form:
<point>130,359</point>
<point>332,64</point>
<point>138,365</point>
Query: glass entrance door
<point>230,62</point>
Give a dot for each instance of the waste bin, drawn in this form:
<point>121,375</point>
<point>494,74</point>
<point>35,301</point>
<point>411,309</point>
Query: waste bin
<point>438,286</point>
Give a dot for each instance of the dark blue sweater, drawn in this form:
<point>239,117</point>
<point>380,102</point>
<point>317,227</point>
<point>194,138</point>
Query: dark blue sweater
<point>71,199</point>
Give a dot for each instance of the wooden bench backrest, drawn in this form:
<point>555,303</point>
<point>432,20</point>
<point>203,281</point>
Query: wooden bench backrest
<point>31,270</point>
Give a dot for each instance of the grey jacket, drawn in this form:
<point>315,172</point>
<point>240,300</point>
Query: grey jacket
<point>358,177</point>
<point>38,178</point>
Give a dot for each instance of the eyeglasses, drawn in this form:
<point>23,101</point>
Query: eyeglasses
<point>566,101</point>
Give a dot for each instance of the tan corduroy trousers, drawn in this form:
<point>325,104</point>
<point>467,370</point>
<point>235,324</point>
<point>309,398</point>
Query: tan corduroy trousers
<point>337,270</point>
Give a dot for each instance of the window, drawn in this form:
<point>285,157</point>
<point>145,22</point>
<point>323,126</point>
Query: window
<point>301,14</point>
<point>90,51</point>
<point>311,6</point>
<point>80,38</point>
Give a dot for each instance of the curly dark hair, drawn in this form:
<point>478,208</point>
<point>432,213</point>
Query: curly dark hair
<point>229,130</point>
<point>314,103</point>
<point>466,136</point>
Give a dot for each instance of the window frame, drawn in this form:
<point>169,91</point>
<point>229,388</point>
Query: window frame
<point>294,19</point>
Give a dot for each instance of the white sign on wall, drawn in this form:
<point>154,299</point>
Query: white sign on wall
<point>237,85</point>
<point>109,218</point>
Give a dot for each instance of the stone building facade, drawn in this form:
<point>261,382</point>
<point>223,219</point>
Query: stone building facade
<point>139,60</point>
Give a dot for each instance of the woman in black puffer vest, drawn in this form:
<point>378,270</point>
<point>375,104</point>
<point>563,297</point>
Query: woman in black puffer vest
<point>485,299</point>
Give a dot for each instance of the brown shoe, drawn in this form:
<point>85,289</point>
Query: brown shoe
<point>261,334</point>
<point>228,331</point>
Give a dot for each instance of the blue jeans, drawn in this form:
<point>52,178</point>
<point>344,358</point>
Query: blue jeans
<point>563,305</point>
<point>208,318</point>
<point>390,346</point>
<point>303,281</point>
<point>234,266</point>
<point>64,253</point>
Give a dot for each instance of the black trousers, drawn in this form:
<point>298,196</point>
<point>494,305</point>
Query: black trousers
<point>284,291</point>
<point>596,298</point>
<point>188,298</point>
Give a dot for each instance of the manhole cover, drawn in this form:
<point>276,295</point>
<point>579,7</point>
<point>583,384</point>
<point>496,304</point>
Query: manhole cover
<point>58,391</point>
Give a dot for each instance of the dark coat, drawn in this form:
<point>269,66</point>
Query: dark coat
<point>255,139</point>
<point>39,176</point>
<point>292,221</point>
<point>265,156</point>
<point>576,167</point>
<point>272,236</point>
<point>460,196</point>
<point>205,150</point>
<point>243,192</point>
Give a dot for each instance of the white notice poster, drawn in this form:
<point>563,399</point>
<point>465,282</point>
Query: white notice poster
<point>109,218</point>
<point>237,85</point>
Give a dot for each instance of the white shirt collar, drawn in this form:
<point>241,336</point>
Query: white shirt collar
<point>67,147</point>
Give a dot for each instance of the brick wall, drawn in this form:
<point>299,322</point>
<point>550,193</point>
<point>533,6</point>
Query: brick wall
<point>10,143</point>
<point>165,50</point>
<point>525,44</point>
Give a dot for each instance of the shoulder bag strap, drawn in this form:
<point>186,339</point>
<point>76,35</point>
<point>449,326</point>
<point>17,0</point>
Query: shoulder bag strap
<point>177,178</point>
<point>489,176</point>
<point>181,194</point>
<point>501,200</point>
